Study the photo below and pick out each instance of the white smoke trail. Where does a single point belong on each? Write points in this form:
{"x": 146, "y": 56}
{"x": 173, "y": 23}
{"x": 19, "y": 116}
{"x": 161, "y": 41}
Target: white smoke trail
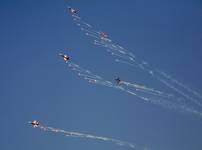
{"x": 78, "y": 19}
{"x": 125, "y": 62}
{"x": 87, "y": 136}
{"x": 126, "y": 57}
{"x": 95, "y": 79}
{"x": 180, "y": 92}
{"x": 178, "y": 106}
{"x": 161, "y": 99}
{"x": 146, "y": 89}
{"x": 181, "y": 85}
{"x": 90, "y": 31}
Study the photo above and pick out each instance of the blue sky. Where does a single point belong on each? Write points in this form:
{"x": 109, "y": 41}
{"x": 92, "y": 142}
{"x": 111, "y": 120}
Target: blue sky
{"x": 36, "y": 84}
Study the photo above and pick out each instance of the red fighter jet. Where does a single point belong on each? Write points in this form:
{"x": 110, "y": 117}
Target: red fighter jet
{"x": 34, "y": 123}
{"x": 103, "y": 35}
{"x": 64, "y": 56}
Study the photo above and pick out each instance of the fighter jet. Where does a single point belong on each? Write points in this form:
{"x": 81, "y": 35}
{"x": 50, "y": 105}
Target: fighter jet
{"x": 72, "y": 10}
{"x": 34, "y": 123}
{"x": 64, "y": 56}
{"x": 103, "y": 35}
{"x": 118, "y": 80}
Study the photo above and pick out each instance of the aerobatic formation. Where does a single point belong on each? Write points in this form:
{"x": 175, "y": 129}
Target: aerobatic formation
{"x": 36, "y": 124}
{"x": 185, "y": 97}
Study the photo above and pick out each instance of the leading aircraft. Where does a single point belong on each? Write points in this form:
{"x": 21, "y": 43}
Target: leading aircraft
{"x": 72, "y": 10}
{"x": 64, "y": 56}
{"x": 34, "y": 123}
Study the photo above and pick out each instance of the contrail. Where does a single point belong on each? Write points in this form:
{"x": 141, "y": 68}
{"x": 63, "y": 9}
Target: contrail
{"x": 87, "y": 136}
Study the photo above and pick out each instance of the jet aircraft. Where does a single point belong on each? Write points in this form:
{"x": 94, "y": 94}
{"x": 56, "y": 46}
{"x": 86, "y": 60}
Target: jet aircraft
{"x": 34, "y": 123}
{"x": 64, "y": 56}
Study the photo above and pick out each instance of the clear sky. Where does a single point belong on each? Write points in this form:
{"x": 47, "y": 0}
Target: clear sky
{"x": 36, "y": 84}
